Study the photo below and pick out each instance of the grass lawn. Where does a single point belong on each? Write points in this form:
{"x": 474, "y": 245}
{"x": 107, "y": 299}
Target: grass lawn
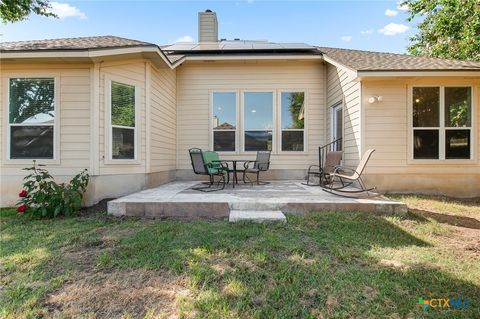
{"x": 324, "y": 265}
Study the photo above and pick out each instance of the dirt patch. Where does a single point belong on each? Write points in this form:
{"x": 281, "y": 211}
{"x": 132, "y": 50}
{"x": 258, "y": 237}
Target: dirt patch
{"x": 118, "y": 293}
{"x": 94, "y": 292}
{"x": 465, "y": 237}
{"x": 331, "y": 303}
{"x": 370, "y": 293}
{"x": 464, "y": 241}
{"x": 100, "y": 207}
{"x": 393, "y": 264}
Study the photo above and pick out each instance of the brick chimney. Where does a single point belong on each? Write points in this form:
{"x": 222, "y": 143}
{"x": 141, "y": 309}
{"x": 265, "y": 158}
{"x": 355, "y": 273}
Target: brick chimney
{"x": 207, "y": 26}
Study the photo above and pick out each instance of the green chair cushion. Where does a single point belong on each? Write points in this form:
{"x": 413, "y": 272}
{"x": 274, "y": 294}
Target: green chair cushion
{"x": 210, "y": 159}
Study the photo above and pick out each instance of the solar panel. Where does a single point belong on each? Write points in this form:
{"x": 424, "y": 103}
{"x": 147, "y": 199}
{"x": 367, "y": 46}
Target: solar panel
{"x": 208, "y": 47}
{"x": 181, "y": 47}
{"x": 296, "y": 46}
{"x": 239, "y": 45}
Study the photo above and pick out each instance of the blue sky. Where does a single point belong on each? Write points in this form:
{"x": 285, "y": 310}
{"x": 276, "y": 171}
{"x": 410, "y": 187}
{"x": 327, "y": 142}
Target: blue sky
{"x": 366, "y": 25}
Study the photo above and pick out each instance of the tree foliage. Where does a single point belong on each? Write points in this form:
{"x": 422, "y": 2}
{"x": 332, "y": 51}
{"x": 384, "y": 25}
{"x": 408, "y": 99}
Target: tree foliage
{"x": 18, "y": 10}
{"x": 295, "y": 108}
{"x": 31, "y": 97}
{"x": 123, "y": 104}
{"x": 449, "y": 28}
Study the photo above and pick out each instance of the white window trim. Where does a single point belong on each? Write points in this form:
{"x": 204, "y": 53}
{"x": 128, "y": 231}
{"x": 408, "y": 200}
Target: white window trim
{"x": 333, "y": 108}
{"x": 274, "y": 119}
{"x": 108, "y": 122}
{"x": 56, "y": 122}
{"x": 442, "y": 160}
{"x": 237, "y": 119}
{"x": 305, "y": 121}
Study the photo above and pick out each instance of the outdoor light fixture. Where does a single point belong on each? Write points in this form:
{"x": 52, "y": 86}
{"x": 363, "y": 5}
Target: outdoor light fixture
{"x": 375, "y": 98}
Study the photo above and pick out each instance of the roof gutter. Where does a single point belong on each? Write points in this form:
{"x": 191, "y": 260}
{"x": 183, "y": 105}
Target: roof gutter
{"x": 211, "y": 57}
{"x": 404, "y": 73}
{"x": 88, "y": 53}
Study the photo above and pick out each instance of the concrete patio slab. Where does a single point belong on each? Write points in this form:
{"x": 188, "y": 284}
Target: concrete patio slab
{"x": 257, "y": 216}
{"x": 178, "y": 199}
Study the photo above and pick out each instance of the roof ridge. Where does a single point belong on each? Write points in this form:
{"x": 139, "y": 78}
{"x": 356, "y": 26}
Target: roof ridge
{"x": 81, "y": 38}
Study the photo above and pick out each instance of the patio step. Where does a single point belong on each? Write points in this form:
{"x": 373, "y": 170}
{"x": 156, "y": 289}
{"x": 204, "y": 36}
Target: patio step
{"x": 257, "y": 216}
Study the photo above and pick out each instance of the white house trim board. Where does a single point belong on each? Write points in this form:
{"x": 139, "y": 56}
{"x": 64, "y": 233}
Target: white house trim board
{"x": 387, "y": 74}
{"x": 95, "y": 119}
{"x": 217, "y": 57}
{"x": 91, "y": 54}
{"x": 148, "y": 101}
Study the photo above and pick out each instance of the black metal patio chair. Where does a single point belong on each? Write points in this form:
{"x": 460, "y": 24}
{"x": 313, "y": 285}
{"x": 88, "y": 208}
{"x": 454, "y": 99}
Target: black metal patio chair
{"x": 260, "y": 164}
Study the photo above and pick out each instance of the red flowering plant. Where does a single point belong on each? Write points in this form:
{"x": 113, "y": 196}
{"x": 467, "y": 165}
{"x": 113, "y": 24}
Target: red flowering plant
{"x": 43, "y": 197}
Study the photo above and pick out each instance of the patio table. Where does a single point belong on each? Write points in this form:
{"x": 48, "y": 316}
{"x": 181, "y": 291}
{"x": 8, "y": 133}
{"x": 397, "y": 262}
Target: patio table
{"x": 234, "y": 170}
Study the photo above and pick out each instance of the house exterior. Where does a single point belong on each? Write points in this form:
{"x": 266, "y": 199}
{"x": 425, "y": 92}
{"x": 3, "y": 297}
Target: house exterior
{"x": 128, "y": 111}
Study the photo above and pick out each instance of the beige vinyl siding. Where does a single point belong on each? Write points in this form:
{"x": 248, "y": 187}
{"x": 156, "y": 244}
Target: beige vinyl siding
{"x": 387, "y": 128}
{"x": 196, "y": 81}
{"x": 73, "y": 108}
{"x": 163, "y": 120}
{"x": 342, "y": 87}
{"x": 128, "y": 72}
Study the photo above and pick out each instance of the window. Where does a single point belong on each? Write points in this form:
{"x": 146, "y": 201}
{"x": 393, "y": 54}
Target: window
{"x": 224, "y": 110}
{"x": 337, "y": 125}
{"x": 258, "y": 120}
{"x": 442, "y": 122}
{"x": 31, "y": 118}
{"x": 292, "y": 120}
{"x": 123, "y": 121}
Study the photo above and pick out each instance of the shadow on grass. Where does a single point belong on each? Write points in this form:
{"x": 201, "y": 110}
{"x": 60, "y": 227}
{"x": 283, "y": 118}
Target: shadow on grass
{"x": 469, "y": 202}
{"x": 314, "y": 266}
{"x": 454, "y": 220}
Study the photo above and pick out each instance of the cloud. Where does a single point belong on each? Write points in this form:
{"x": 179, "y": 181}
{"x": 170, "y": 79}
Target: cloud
{"x": 367, "y": 32}
{"x": 346, "y": 38}
{"x": 391, "y": 13}
{"x": 402, "y": 7}
{"x": 64, "y": 10}
{"x": 394, "y": 29}
{"x": 185, "y": 38}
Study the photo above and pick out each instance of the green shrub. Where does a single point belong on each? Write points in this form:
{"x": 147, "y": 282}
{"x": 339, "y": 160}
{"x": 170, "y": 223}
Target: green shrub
{"x": 43, "y": 197}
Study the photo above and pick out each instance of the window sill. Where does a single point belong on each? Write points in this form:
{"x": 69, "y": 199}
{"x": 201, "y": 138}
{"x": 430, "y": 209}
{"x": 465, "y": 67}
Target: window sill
{"x": 291, "y": 152}
{"x": 442, "y": 162}
{"x": 27, "y": 162}
{"x": 122, "y": 162}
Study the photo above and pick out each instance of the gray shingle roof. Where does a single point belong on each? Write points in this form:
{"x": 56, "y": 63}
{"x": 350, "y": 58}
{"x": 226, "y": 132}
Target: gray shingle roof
{"x": 83, "y": 43}
{"x": 379, "y": 61}
{"x": 354, "y": 59}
